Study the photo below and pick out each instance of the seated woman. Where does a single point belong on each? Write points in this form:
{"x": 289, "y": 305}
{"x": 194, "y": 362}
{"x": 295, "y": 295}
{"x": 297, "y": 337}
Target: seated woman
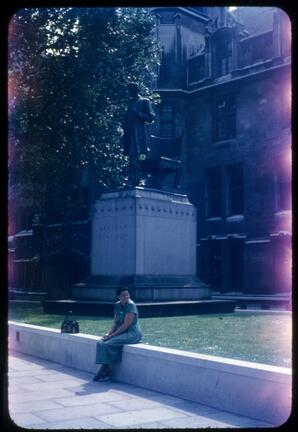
{"x": 125, "y": 330}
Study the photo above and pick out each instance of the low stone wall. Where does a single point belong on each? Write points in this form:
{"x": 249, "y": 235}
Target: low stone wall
{"x": 250, "y": 389}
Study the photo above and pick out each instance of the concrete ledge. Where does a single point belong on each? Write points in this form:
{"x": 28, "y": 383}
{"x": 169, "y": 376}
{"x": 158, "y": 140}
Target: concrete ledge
{"x": 146, "y": 310}
{"x": 250, "y": 389}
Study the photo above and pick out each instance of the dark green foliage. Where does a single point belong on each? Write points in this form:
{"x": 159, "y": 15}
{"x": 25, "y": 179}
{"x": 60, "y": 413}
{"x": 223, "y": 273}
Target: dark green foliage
{"x": 68, "y": 73}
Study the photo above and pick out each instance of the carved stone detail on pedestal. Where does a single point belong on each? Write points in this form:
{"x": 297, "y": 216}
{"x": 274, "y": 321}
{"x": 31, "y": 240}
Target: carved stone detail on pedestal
{"x": 148, "y": 244}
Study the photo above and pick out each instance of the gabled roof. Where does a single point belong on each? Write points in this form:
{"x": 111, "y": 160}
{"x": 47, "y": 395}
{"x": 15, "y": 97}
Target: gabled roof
{"x": 195, "y": 12}
{"x": 255, "y": 19}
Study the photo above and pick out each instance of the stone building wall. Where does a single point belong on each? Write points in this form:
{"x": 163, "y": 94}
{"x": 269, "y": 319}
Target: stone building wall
{"x": 250, "y": 251}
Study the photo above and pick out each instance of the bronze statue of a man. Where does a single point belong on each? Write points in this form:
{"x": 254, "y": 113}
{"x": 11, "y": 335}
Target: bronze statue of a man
{"x": 139, "y": 112}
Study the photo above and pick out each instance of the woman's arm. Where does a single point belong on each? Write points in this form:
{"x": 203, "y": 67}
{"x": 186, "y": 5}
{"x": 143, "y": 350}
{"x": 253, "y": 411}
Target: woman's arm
{"x": 127, "y": 322}
{"x": 112, "y": 329}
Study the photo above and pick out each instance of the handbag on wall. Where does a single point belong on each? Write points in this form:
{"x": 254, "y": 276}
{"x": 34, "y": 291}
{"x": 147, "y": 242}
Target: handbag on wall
{"x": 70, "y": 325}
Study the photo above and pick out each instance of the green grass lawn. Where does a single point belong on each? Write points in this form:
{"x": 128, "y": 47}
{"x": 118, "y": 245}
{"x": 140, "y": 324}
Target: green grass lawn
{"x": 252, "y": 336}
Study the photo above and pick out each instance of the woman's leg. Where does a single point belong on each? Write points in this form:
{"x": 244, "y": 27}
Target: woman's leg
{"x": 110, "y": 351}
{"x": 106, "y": 355}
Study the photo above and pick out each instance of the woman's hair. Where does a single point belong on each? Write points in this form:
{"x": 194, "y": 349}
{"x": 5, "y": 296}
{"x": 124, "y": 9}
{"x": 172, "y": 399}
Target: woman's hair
{"x": 119, "y": 290}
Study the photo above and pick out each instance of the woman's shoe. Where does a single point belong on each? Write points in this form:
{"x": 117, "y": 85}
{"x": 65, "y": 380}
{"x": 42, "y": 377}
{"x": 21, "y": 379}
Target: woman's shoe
{"x": 96, "y": 377}
{"x": 108, "y": 377}
{"x": 103, "y": 375}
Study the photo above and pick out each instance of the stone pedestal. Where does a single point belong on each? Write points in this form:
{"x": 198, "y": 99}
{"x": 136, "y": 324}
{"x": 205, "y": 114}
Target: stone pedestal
{"x": 144, "y": 239}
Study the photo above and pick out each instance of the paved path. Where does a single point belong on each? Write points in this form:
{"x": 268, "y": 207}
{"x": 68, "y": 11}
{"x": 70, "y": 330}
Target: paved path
{"x": 45, "y": 395}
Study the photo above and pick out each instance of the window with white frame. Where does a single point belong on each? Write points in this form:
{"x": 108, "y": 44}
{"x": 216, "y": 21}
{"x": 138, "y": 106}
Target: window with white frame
{"x": 214, "y": 192}
{"x": 225, "y": 118}
{"x": 235, "y": 190}
{"x": 167, "y": 124}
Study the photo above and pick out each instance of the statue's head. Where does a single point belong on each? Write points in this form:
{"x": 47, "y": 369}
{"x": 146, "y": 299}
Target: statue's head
{"x": 133, "y": 89}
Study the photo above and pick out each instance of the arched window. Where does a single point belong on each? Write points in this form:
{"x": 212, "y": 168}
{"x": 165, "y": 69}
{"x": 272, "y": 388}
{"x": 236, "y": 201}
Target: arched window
{"x": 224, "y": 57}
